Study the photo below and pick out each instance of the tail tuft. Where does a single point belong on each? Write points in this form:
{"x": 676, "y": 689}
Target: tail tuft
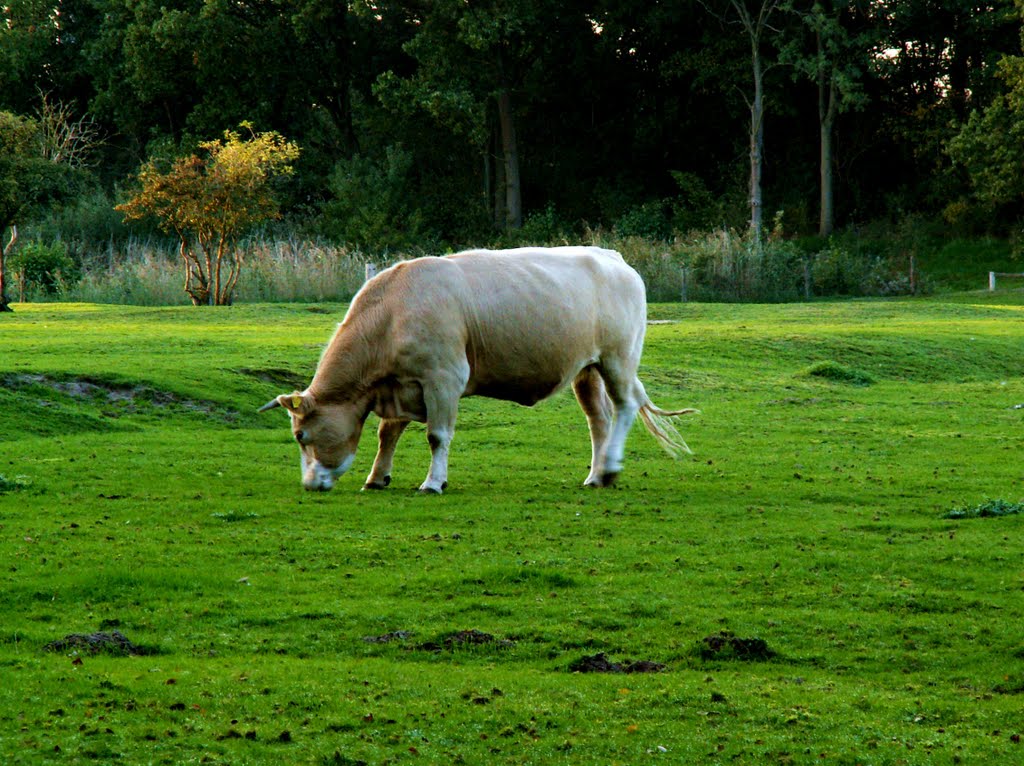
{"x": 663, "y": 429}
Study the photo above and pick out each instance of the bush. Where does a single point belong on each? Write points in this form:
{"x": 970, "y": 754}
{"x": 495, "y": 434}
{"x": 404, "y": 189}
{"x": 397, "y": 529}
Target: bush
{"x": 42, "y": 271}
{"x": 837, "y": 270}
{"x": 651, "y": 220}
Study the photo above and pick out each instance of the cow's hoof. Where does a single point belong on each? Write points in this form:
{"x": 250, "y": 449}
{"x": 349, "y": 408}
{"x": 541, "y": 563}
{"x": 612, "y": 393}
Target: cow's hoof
{"x": 382, "y": 484}
{"x": 604, "y": 480}
{"x": 426, "y": 489}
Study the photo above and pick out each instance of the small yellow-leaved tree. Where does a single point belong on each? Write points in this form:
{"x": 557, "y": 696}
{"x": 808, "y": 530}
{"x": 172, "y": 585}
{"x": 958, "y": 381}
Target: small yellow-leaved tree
{"x": 210, "y": 202}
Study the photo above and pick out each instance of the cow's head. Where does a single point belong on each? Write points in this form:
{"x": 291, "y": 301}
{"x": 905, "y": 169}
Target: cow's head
{"x": 328, "y": 435}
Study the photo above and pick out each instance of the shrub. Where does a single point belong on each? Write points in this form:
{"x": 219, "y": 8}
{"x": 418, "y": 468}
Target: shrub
{"x": 651, "y": 220}
{"x": 838, "y": 270}
{"x": 42, "y": 270}
{"x": 209, "y": 202}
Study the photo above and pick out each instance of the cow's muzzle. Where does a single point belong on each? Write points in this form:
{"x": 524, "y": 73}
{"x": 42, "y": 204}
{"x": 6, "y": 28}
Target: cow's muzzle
{"x": 318, "y": 478}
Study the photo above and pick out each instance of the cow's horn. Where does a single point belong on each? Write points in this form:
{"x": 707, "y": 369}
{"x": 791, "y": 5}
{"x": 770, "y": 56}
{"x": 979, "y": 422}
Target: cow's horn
{"x": 269, "y": 405}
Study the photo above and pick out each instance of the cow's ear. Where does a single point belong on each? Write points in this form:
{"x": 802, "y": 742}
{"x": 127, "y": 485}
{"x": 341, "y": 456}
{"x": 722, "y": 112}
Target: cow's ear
{"x": 297, "y": 403}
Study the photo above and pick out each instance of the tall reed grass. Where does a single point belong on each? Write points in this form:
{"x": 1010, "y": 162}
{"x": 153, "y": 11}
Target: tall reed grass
{"x": 150, "y": 273}
{"x": 719, "y": 265}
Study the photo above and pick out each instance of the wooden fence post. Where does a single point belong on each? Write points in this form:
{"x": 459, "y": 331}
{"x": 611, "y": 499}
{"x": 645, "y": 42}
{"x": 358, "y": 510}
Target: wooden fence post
{"x": 371, "y": 271}
{"x": 992, "y": 281}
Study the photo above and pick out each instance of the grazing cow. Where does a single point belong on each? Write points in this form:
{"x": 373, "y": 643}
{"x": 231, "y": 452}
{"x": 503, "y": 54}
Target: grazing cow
{"x": 508, "y": 324}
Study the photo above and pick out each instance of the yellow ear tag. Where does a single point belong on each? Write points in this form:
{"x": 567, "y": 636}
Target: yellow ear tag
{"x": 296, "y": 402}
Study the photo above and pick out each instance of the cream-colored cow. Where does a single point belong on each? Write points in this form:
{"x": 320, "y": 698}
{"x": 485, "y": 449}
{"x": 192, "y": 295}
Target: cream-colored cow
{"x": 508, "y": 324}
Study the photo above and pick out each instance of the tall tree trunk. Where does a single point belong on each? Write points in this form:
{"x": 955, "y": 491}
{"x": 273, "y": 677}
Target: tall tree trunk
{"x": 510, "y": 151}
{"x": 4, "y": 251}
{"x": 499, "y": 181}
{"x": 827, "y": 107}
{"x": 756, "y": 143}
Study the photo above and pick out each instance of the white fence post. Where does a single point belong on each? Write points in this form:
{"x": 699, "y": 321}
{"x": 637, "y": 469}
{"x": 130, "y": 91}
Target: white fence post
{"x": 991, "y": 281}
{"x": 371, "y": 271}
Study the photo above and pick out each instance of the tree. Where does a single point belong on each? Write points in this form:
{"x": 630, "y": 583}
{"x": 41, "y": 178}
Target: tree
{"x": 476, "y": 67}
{"x": 755, "y": 20}
{"x": 990, "y": 145}
{"x": 834, "y": 65}
{"x": 26, "y": 178}
{"x": 209, "y": 203}
{"x": 935, "y": 62}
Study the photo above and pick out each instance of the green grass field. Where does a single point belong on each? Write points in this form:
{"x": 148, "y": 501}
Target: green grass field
{"x": 140, "y": 492}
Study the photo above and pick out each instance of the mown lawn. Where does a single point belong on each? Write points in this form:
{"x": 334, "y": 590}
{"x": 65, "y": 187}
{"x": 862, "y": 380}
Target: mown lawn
{"x": 140, "y": 492}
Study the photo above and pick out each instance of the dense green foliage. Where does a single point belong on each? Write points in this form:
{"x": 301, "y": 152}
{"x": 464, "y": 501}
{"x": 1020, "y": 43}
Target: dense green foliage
{"x": 441, "y": 122}
{"x": 141, "y": 493}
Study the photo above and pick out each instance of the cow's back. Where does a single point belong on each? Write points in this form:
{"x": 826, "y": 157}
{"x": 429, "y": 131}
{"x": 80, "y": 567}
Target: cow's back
{"x": 535, "y": 317}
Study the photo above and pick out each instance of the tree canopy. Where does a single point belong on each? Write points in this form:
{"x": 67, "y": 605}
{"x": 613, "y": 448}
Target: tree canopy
{"x": 474, "y": 117}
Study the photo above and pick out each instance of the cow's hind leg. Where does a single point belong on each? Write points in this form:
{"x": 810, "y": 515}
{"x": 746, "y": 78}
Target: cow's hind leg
{"x": 627, "y": 396}
{"x": 590, "y": 393}
{"x": 388, "y": 433}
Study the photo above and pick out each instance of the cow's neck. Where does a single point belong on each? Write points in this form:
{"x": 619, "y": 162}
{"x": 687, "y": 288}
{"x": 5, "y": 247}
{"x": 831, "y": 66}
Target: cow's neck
{"x": 348, "y": 368}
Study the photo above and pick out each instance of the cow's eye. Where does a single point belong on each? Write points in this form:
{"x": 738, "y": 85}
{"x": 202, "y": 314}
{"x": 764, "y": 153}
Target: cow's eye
{"x": 300, "y": 437}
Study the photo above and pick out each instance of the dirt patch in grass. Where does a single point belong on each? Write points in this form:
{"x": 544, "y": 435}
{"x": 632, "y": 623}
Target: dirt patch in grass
{"x": 728, "y": 646}
{"x": 113, "y": 642}
{"x": 599, "y": 663}
{"x": 387, "y": 638}
{"x": 463, "y": 639}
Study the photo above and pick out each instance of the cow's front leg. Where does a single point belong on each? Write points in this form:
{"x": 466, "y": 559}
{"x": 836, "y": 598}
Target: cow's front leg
{"x": 441, "y": 397}
{"x": 437, "y": 478}
{"x": 388, "y": 433}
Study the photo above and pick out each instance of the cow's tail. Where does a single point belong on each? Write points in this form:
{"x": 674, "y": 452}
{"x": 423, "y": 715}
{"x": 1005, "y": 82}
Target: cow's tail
{"x": 659, "y": 423}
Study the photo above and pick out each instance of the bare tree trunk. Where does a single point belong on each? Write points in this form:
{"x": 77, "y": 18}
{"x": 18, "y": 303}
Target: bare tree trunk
{"x": 827, "y": 107}
{"x": 756, "y": 145}
{"x": 755, "y": 27}
{"x": 4, "y": 251}
{"x": 510, "y": 151}
{"x": 499, "y": 182}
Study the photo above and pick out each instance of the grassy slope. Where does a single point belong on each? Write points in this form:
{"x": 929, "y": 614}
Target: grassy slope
{"x": 809, "y": 516}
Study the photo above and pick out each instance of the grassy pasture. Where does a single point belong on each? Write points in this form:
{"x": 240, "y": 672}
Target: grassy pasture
{"x": 141, "y": 493}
